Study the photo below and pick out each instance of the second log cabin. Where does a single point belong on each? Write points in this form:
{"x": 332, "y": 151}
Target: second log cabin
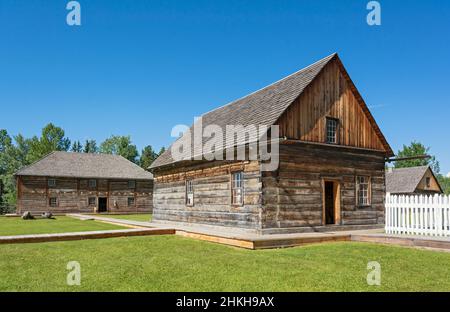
{"x": 331, "y": 161}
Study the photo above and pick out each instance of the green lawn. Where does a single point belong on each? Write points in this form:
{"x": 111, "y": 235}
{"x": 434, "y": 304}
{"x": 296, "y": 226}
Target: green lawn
{"x": 173, "y": 263}
{"x": 60, "y": 224}
{"x": 135, "y": 217}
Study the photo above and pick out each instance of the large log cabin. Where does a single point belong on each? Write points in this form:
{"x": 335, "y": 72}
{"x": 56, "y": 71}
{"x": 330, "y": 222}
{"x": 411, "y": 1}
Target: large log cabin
{"x": 65, "y": 182}
{"x": 331, "y": 171}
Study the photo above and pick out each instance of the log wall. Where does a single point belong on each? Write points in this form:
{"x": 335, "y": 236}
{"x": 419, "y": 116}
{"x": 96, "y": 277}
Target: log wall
{"x": 72, "y": 195}
{"x": 212, "y": 195}
{"x": 293, "y": 196}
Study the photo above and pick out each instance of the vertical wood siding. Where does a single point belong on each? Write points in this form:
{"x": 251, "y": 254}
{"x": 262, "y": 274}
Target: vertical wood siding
{"x": 330, "y": 95}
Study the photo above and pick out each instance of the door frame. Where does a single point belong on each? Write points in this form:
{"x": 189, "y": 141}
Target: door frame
{"x": 337, "y": 200}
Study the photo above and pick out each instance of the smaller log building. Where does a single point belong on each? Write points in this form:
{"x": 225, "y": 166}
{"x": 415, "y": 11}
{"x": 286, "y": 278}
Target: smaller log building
{"x": 63, "y": 182}
{"x": 412, "y": 181}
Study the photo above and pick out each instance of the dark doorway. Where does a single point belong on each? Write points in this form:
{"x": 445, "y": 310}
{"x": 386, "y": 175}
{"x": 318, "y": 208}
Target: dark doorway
{"x": 102, "y": 204}
{"x": 329, "y": 203}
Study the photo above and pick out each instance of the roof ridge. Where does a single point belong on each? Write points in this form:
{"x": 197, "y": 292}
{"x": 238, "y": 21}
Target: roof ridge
{"x": 331, "y": 56}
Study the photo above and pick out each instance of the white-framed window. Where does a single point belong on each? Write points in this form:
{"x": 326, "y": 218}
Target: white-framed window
{"x": 92, "y": 201}
{"x": 332, "y": 130}
{"x": 363, "y": 190}
{"x": 189, "y": 193}
{"x": 51, "y": 182}
{"x": 52, "y": 202}
{"x": 92, "y": 183}
{"x": 131, "y": 184}
{"x": 237, "y": 188}
{"x": 130, "y": 201}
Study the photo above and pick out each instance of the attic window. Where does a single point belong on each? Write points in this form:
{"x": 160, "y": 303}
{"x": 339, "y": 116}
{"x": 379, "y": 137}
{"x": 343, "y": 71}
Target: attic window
{"x": 131, "y": 184}
{"x": 428, "y": 181}
{"x": 51, "y": 182}
{"x": 92, "y": 183}
{"x": 332, "y": 130}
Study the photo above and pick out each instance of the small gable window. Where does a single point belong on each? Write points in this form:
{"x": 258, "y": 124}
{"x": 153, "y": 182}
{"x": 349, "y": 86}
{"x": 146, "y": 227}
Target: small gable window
{"x": 332, "y": 125}
{"x": 428, "y": 181}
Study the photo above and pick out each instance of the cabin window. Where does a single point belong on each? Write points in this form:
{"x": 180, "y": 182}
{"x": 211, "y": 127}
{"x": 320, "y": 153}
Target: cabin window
{"x": 130, "y": 201}
{"x": 189, "y": 193}
{"x": 92, "y": 201}
{"x": 332, "y": 130}
{"x": 363, "y": 190}
{"x": 131, "y": 184}
{"x": 52, "y": 202}
{"x": 51, "y": 182}
{"x": 237, "y": 188}
{"x": 92, "y": 183}
{"x": 428, "y": 181}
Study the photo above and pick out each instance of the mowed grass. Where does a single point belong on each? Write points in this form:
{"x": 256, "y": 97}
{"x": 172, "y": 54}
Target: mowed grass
{"x": 173, "y": 263}
{"x": 134, "y": 217}
{"x": 60, "y": 224}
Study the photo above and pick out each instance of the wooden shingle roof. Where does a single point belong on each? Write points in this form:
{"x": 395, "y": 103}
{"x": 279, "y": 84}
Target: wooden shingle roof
{"x": 264, "y": 107}
{"x": 85, "y": 165}
{"x": 405, "y": 180}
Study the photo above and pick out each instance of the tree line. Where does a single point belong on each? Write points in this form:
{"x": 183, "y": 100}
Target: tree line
{"x": 18, "y": 151}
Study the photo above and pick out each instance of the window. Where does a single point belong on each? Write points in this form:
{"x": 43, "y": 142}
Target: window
{"x": 189, "y": 193}
{"x": 92, "y": 183}
{"x": 363, "y": 190}
{"x": 52, "y": 202}
{"x": 332, "y": 130}
{"x": 92, "y": 201}
{"x": 131, "y": 184}
{"x": 51, "y": 182}
{"x": 237, "y": 188}
{"x": 130, "y": 201}
{"x": 428, "y": 181}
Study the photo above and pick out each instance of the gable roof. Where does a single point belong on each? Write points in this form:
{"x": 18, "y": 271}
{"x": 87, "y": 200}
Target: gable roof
{"x": 265, "y": 106}
{"x": 85, "y": 165}
{"x": 405, "y": 180}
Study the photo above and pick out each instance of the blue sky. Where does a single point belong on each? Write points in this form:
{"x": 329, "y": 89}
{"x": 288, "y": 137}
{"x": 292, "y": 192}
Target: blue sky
{"x": 140, "y": 67}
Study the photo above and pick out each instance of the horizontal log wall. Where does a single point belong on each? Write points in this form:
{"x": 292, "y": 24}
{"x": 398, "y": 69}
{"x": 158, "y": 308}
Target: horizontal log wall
{"x": 293, "y": 196}
{"x": 72, "y": 195}
{"x": 212, "y": 195}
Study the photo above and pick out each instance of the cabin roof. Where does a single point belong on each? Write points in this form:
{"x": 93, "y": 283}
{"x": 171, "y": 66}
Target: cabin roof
{"x": 405, "y": 180}
{"x": 265, "y": 106}
{"x": 85, "y": 165}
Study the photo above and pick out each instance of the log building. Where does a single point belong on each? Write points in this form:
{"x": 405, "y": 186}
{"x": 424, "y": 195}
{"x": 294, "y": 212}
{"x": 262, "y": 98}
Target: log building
{"x": 65, "y": 182}
{"x": 412, "y": 181}
{"x": 331, "y": 161}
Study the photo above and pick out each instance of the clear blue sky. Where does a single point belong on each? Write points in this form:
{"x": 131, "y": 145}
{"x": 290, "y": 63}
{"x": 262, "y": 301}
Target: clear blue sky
{"x": 139, "y": 67}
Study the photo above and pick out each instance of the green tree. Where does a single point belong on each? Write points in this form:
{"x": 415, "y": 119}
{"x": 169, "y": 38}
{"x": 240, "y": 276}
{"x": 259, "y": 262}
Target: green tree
{"x": 52, "y": 139}
{"x": 416, "y": 149}
{"x": 90, "y": 146}
{"x": 120, "y": 145}
{"x": 77, "y": 147}
{"x": 445, "y": 183}
{"x": 162, "y": 150}
{"x": 148, "y": 156}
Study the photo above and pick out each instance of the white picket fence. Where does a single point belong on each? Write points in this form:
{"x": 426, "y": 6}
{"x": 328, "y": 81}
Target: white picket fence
{"x": 418, "y": 215}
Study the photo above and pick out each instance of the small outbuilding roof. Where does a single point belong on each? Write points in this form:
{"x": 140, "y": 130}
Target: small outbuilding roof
{"x": 85, "y": 165}
{"x": 405, "y": 180}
